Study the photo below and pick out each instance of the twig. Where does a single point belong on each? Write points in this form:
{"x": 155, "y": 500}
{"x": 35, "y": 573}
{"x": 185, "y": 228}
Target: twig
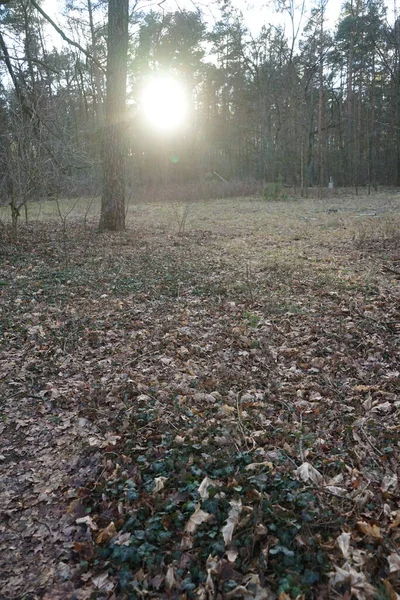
{"x": 370, "y": 443}
{"x": 46, "y": 525}
{"x": 64, "y": 36}
{"x": 220, "y": 176}
{"x": 301, "y": 449}
{"x": 385, "y": 268}
{"x": 249, "y": 282}
{"x": 239, "y": 416}
{"x": 136, "y": 359}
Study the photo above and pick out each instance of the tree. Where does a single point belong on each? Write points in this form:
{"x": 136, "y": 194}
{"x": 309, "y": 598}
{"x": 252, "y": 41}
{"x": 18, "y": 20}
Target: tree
{"x": 113, "y": 199}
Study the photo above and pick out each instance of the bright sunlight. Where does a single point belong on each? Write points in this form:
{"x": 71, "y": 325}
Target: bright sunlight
{"x": 165, "y": 103}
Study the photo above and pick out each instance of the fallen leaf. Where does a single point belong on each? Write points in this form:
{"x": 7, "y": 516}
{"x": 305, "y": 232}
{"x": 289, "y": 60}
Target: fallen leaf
{"x": 259, "y": 465}
{"x": 261, "y": 529}
{"x": 211, "y": 566}
{"x": 122, "y": 539}
{"x": 239, "y": 592}
{"x": 396, "y": 521}
{"x": 373, "y": 531}
{"x": 159, "y": 484}
{"x": 197, "y": 518}
{"x": 337, "y": 479}
{"x": 390, "y": 590}
{"x": 343, "y": 541}
{"x": 363, "y": 388}
{"x": 94, "y": 442}
{"x": 359, "y": 585}
{"x": 205, "y": 485}
{"x": 232, "y": 555}
{"x": 87, "y": 521}
{"x": 232, "y": 520}
{"x": 101, "y": 582}
{"x": 390, "y": 483}
{"x": 394, "y": 562}
{"x": 385, "y": 407}
{"x": 170, "y": 581}
{"x": 110, "y": 440}
{"x": 307, "y": 473}
{"x": 227, "y": 410}
{"x": 106, "y": 534}
{"x": 336, "y": 491}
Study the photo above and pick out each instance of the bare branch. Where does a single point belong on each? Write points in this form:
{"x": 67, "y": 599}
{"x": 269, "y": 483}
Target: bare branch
{"x": 36, "y": 61}
{"x": 64, "y": 36}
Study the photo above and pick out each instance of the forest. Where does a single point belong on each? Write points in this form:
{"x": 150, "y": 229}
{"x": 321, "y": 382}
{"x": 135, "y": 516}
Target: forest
{"x": 199, "y": 300}
{"x": 299, "y": 103}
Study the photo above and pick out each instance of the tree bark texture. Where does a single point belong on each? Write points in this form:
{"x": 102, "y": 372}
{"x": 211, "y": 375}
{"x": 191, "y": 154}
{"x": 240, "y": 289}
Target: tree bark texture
{"x": 113, "y": 199}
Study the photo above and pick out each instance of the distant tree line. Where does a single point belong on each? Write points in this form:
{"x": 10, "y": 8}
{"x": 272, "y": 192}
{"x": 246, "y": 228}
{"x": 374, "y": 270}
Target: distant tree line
{"x": 300, "y": 105}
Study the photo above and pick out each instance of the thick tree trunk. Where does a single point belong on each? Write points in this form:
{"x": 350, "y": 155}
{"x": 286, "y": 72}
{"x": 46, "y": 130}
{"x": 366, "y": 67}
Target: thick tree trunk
{"x": 113, "y": 199}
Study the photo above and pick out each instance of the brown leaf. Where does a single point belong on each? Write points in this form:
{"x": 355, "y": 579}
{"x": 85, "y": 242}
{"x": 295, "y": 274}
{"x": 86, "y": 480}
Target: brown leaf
{"x": 363, "y": 388}
{"x": 373, "y": 531}
{"x": 85, "y": 550}
{"x": 390, "y": 590}
{"x": 106, "y": 534}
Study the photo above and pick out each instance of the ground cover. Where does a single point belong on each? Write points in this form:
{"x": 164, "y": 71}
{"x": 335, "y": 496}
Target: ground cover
{"x": 209, "y": 414}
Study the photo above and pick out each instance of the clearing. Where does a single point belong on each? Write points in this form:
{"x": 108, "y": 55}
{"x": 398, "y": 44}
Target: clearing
{"x": 205, "y": 406}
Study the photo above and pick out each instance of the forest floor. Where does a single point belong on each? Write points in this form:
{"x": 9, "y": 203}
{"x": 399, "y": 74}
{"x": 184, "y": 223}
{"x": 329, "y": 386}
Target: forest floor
{"x": 205, "y": 406}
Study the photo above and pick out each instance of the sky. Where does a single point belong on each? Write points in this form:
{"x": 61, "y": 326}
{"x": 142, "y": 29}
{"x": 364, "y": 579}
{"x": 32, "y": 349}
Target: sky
{"x": 256, "y": 12}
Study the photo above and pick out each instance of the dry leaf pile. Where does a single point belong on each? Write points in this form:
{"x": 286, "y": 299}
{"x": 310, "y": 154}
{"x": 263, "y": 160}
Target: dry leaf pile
{"x": 180, "y": 423}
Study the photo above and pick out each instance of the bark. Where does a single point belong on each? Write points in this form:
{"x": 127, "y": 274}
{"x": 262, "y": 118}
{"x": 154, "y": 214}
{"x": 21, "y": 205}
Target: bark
{"x": 113, "y": 199}
{"x": 97, "y": 72}
{"x": 321, "y": 106}
{"x": 350, "y": 109}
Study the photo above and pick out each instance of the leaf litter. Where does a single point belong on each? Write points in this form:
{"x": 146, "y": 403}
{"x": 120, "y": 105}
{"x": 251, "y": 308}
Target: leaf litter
{"x": 174, "y": 426}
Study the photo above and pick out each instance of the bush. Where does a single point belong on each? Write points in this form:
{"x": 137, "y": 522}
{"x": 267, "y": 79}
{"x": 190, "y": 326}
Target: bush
{"x": 274, "y": 190}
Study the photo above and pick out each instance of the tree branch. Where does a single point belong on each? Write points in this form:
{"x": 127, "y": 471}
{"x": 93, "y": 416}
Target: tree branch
{"x": 36, "y": 61}
{"x": 64, "y": 36}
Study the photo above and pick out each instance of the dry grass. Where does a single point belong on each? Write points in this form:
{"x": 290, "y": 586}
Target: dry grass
{"x": 250, "y": 228}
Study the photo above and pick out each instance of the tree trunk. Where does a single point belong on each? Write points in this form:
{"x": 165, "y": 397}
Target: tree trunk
{"x": 113, "y": 200}
{"x": 321, "y": 104}
{"x": 350, "y": 109}
{"x": 98, "y": 100}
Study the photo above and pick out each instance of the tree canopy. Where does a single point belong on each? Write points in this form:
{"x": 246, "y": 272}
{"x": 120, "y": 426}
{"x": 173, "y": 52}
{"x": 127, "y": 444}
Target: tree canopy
{"x": 302, "y": 103}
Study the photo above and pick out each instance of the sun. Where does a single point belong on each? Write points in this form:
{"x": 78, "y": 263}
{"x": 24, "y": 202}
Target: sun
{"x": 164, "y": 103}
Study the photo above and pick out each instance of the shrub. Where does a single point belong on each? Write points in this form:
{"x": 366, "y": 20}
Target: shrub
{"x": 274, "y": 190}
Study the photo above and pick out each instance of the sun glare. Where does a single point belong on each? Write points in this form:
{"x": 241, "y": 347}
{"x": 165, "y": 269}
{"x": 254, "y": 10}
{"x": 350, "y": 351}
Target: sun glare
{"x": 164, "y": 103}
